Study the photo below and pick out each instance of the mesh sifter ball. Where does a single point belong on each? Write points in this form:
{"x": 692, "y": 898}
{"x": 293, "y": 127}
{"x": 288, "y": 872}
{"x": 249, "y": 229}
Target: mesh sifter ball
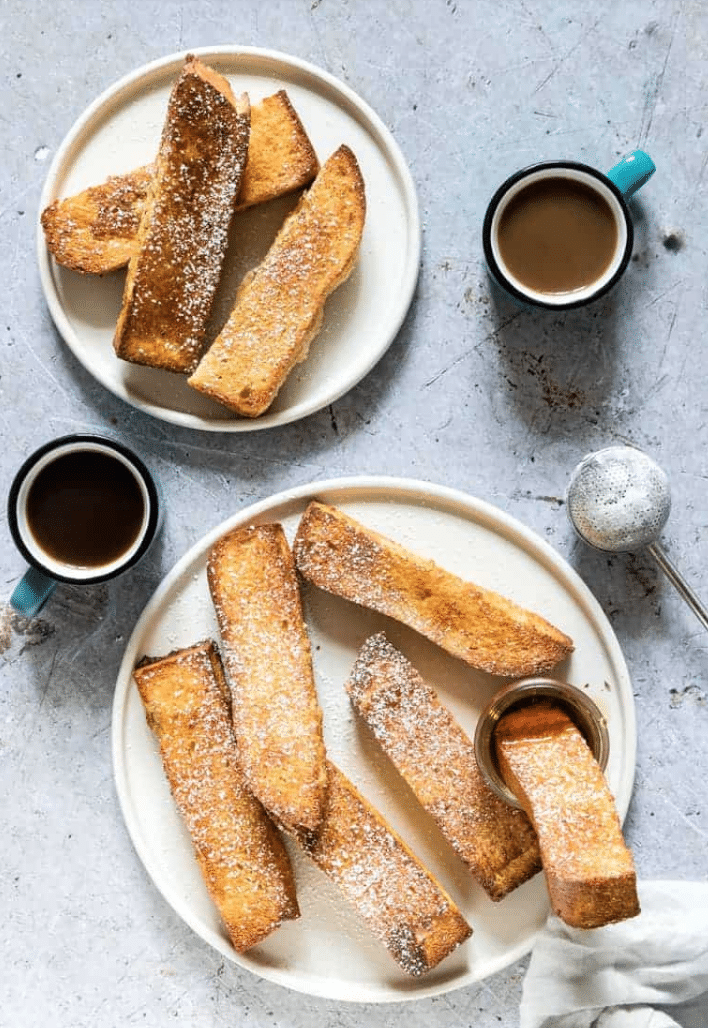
{"x": 618, "y": 499}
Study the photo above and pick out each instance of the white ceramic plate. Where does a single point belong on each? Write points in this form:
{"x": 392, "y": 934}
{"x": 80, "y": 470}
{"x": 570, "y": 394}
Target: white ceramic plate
{"x": 121, "y": 130}
{"x": 328, "y": 952}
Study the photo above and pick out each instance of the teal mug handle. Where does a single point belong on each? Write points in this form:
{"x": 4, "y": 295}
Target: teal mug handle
{"x": 32, "y": 592}
{"x": 632, "y": 172}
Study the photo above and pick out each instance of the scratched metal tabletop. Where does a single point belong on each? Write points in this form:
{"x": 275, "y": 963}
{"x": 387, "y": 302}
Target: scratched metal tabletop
{"x": 474, "y": 392}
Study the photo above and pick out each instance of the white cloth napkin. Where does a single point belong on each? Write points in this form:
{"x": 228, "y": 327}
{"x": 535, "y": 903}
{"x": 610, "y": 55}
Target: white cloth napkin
{"x": 625, "y": 975}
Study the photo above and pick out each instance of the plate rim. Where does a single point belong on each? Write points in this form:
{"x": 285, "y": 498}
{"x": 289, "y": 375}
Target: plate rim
{"x": 387, "y": 145}
{"x": 415, "y": 489}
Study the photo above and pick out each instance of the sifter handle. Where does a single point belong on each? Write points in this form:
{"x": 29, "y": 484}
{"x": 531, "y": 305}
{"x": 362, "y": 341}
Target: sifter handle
{"x": 677, "y": 580}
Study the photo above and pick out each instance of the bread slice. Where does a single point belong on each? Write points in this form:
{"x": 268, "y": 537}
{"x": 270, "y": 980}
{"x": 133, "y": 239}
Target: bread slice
{"x": 479, "y": 626}
{"x": 96, "y": 231}
{"x": 266, "y": 653}
{"x": 281, "y": 157}
{"x": 241, "y": 856}
{"x": 279, "y": 306}
{"x": 435, "y": 757}
{"x": 549, "y": 767}
{"x": 183, "y": 234}
{"x": 402, "y": 903}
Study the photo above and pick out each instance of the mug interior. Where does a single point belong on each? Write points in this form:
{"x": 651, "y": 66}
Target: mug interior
{"x": 62, "y": 570}
{"x": 590, "y": 179}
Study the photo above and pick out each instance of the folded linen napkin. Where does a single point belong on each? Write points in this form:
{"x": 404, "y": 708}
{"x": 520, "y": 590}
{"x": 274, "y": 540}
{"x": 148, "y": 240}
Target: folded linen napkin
{"x": 625, "y": 975}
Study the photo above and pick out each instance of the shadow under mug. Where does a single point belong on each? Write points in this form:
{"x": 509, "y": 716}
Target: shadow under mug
{"x": 108, "y": 494}
{"x": 610, "y": 192}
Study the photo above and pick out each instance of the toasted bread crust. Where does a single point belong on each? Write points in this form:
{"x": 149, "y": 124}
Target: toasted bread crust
{"x": 402, "y": 903}
{"x": 547, "y": 764}
{"x": 477, "y": 625}
{"x": 435, "y": 757}
{"x": 279, "y": 306}
{"x": 241, "y": 856}
{"x": 95, "y": 231}
{"x": 281, "y": 157}
{"x": 183, "y": 234}
{"x": 267, "y": 657}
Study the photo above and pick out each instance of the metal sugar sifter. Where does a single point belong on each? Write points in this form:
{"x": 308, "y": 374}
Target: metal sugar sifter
{"x": 618, "y": 500}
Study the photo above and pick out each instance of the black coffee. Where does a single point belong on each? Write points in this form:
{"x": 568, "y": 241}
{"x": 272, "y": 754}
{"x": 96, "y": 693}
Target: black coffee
{"x": 85, "y": 509}
{"x": 557, "y": 235}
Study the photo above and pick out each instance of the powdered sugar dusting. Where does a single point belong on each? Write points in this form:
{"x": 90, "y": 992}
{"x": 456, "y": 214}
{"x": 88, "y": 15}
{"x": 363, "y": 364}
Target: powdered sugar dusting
{"x": 436, "y": 758}
{"x": 278, "y": 308}
{"x": 481, "y": 627}
{"x": 267, "y": 657}
{"x": 119, "y": 205}
{"x": 183, "y": 236}
{"x": 96, "y": 230}
{"x": 400, "y": 901}
{"x": 572, "y": 808}
{"x": 241, "y": 858}
{"x": 331, "y": 552}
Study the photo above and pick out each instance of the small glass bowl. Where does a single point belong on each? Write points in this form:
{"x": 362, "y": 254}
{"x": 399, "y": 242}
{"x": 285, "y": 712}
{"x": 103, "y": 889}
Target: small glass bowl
{"x": 580, "y": 708}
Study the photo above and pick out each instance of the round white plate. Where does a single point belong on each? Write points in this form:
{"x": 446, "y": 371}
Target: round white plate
{"x": 328, "y": 951}
{"x": 121, "y": 130}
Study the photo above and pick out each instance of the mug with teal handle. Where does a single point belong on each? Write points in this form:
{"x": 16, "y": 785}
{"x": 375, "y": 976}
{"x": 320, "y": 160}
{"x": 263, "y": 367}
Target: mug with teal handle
{"x": 82, "y": 509}
{"x": 613, "y": 189}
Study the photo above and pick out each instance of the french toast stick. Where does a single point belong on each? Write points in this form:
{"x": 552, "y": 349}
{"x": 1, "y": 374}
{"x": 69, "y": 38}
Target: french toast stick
{"x": 183, "y": 234}
{"x": 240, "y": 854}
{"x": 547, "y": 764}
{"x": 281, "y": 158}
{"x": 403, "y": 905}
{"x": 279, "y": 305}
{"x": 479, "y": 626}
{"x": 266, "y": 654}
{"x": 437, "y": 760}
{"x": 95, "y": 231}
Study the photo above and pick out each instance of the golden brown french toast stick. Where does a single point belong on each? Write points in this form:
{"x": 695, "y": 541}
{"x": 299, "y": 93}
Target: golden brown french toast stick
{"x": 281, "y": 157}
{"x": 240, "y": 854}
{"x": 95, "y": 231}
{"x": 279, "y": 306}
{"x": 549, "y": 767}
{"x": 433, "y": 754}
{"x": 173, "y": 276}
{"x": 266, "y": 653}
{"x": 402, "y": 903}
{"x": 475, "y": 624}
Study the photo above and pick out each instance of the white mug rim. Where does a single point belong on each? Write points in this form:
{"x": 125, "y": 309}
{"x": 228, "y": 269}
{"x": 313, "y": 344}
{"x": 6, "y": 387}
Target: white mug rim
{"x": 34, "y": 552}
{"x": 594, "y": 180}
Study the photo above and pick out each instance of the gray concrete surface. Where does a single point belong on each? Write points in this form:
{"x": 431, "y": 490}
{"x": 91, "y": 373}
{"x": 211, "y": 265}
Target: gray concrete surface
{"x": 473, "y": 392}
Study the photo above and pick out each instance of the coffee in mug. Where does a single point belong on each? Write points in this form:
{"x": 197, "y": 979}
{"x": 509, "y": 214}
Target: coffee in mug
{"x": 81, "y": 509}
{"x": 559, "y": 234}
{"x": 85, "y": 509}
